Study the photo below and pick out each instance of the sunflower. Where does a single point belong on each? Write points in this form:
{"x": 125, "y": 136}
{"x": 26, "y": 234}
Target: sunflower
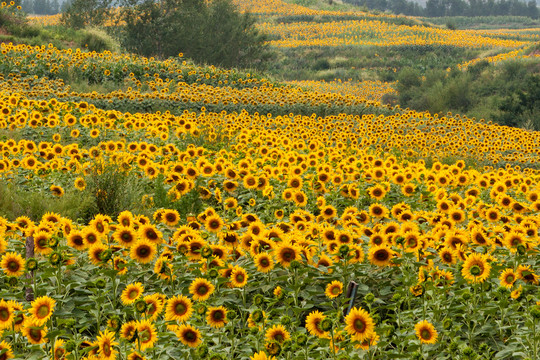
{"x": 299, "y": 198}
{"x": 13, "y": 264}
{"x": 178, "y": 308}
{"x": 95, "y": 252}
{"x": 378, "y": 211}
{"x": 147, "y": 334}
{"x": 5, "y": 351}
{"x": 125, "y": 235}
{"x": 143, "y": 251}
{"x": 313, "y": 322}
{"x": 448, "y": 255}
{"x": 154, "y": 306}
{"x": 129, "y": 331}
{"x": 286, "y": 253}
{"x": 201, "y": 289}
{"x": 131, "y": 293}
{"x": 264, "y": 262}
{"x": 42, "y": 309}
{"x": 135, "y": 356}
{"x": 189, "y": 335}
{"x": 377, "y": 192}
{"x": 106, "y": 344}
{"x": 476, "y": 268}
{"x": 328, "y": 212}
{"x": 359, "y": 324}
{"x": 277, "y": 333}
{"x": 80, "y": 183}
{"x": 380, "y": 255}
{"x": 261, "y": 356}
{"x": 216, "y": 316}
{"x": 149, "y": 233}
{"x": 426, "y": 333}
{"x": 35, "y": 333}
{"x": 526, "y": 273}
{"x": 41, "y": 242}
{"x": 57, "y": 190}
{"x": 76, "y": 240}
{"x": 171, "y": 217}
{"x": 19, "y": 316}
{"x": 58, "y": 351}
{"x": 214, "y": 223}
{"x": 334, "y": 289}
{"x": 508, "y": 278}
{"x": 7, "y": 314}
{"x": 238, "y": 277}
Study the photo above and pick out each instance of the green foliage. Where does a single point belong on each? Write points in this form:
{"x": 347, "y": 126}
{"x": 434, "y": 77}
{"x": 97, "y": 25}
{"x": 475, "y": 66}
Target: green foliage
{"x": 112, "y": 189}
{"x": 95, "y": 39}
{"x": 214, "y": 32}
{"x": 507, "y": 94}
{"x": 82, "y": 13}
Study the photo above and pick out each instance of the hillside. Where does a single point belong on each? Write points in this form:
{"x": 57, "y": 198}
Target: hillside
{"x": 162, "y": 209}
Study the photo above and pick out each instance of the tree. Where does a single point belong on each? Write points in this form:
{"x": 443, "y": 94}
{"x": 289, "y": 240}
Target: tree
{"x": 81, "y": 13}
{"x": 208, "y": 32}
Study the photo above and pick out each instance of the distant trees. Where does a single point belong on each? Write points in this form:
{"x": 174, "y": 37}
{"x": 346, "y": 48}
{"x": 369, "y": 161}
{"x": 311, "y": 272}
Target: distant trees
{"x": 80, "y": 13}
{"x": 439, "y": 8}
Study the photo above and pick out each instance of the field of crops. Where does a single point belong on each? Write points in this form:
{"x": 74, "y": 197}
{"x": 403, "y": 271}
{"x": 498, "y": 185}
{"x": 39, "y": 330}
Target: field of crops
{"x": 201, "y": 213}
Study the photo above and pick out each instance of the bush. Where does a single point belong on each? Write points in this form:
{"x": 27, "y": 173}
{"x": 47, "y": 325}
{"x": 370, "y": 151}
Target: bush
{"x": 95, "y": 39}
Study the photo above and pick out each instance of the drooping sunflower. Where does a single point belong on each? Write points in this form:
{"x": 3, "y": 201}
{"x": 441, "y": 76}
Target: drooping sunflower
{"x": 359, "y": 324}
{"x": 131, "y": 293}
{"x": 106, "y": 344}
{"x": 334, "y": 289}
{"x": 13, "y": 264}
{"x": 216, "y": 316}
{"x": 426, "y": 332}
{"x": 143, "y": 251}
{"x": 476, "y": 268}
{"x": 135, "y": 356}
{"x": 178, "y": 308}
{"x": 526, "y": 273}
{"x": 201, "y": 289}
{"x": 42, "y": 309}
{"x": 189, "y": 335}
{"x": 277, "y": 333}
{"x": 313, "y": 324}
{"x": 147, "y": 334}
{"x": 239, "y": 277}
{"x": 264, "y": 262}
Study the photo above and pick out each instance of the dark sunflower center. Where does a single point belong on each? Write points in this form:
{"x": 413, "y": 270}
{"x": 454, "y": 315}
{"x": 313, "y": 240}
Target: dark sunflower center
{"x": 13, "y": 266}
{"x": 202, "y": 289}
{"x": 4, "y": 314}
{"x": 476, "y": 270}
{"x": 381, "y": 255}
{"x": 43, "y": 311}
{"x": 425, "y": 334}
{"x": 359, "y": 325}
{"x": 190, "y": 336}
{"x": 133, "y": 294}
{"x": 180, "y": 309}
{"x": 218, "y": 315}
{"x": 288, "y": 255}
{"x": 143, "y": 251}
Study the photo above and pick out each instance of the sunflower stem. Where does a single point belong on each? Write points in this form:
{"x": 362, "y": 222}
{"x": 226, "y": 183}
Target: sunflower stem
{"x": 333, "y": 344}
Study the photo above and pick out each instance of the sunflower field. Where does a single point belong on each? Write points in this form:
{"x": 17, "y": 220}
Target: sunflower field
{"x": 194, "y": 212}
